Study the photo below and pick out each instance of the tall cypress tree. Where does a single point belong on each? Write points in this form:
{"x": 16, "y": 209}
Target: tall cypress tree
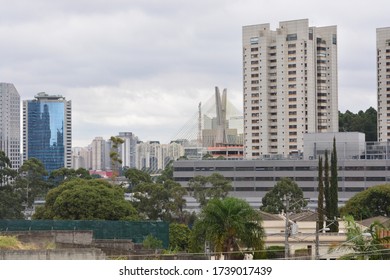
{"x": 320, "y": 207}
{"x": 326, "y": 185}
{"x": 333, "y": 190}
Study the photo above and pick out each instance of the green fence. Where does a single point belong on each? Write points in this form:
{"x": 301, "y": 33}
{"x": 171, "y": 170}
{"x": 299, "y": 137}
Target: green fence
{"x": 136, "y": 231}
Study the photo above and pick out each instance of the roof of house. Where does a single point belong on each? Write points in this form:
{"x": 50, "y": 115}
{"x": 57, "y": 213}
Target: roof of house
{"x": 385, "y": 221}
{"x": 270, "y": 217}
{"x": 305, "y": 216}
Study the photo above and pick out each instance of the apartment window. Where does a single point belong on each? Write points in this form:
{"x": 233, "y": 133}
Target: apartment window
{"x": 292, "y": 92}
{"x": 292, "y": 65}
{"x": 254, "y": 49}
{"x": 292, "y": 133}
{"x": 292, "y": 147}
{"x": 292, "y": 79}
{"x": 292, "y": 126}
{"x": 292, "y": 52}
{"x": 291, "y": 37}
{"x": 254, "y": 40}
{"x": 254, "y": 68}
{"x": 292, "y": 72}
{"x": 292, "y": 45}
{"x": 292, "y": 106}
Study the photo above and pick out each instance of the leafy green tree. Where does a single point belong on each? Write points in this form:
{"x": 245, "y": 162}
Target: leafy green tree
{"x": 333, "y": 191}
{"x": 10, "y": 203}
{"x": 116, "y": 160}
{"x": 151, "y": 242}
{"x": 160, "y": 201}
{"x": 59, "y": 175}
{"x": 372, "y": 202}
{"x": 179, "y": 237}
{"x": 136, "y": 177}
{"x": 205, "y": 188}
{"x": 272, "y": 202}
{"x": 31, "y": 181}
{"x": 166, "y": 174}
{"x": 326, "y": 184}
{"x": 6, "y": 171}
{"x": 229, "y": 224}
{"x": 81, "y": 199}
{"x": 320, "y": 205}
{"x": 365, "y": 247}
{"x": 365, "y": 122}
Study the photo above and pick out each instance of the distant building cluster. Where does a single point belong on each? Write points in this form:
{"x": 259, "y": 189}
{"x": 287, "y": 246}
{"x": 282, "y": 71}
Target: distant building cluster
{"x": 290, "y": 95}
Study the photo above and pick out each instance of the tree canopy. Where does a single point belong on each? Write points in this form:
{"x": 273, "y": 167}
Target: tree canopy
{"x": 228, "y": 224}
{"x": 81, "y": 199}
{"x": 272, "y": 202}
{"x": 159, "y": 201}
{"x": 365, "y": 122}
{"x": 374, "y": 201}
{"x": 205, "y": 188}
{"x": 136, "y": 177}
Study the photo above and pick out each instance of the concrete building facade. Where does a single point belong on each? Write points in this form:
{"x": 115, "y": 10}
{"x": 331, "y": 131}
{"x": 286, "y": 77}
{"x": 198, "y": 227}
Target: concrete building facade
{"x": 289, "y": 86}
{"x": 47, "y": 130}
{"x": 383, "y": 82}
{"x": 10, "y": 123}
{"x": 127, "y": 149}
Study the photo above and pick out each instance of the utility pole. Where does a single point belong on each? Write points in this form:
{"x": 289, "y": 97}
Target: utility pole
{"x": 286, "y": 231}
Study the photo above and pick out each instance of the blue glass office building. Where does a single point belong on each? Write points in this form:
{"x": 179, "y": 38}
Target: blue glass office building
{"x": 47, "y": 130}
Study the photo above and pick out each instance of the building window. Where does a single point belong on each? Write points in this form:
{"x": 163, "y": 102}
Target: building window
{"x": 291, "y": 37}
{"x": 254, "y": 40}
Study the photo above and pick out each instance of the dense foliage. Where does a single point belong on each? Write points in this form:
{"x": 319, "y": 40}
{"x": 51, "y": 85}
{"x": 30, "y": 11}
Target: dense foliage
{"x": 81, "y": 199}
{"x": 375, "y": 201}
{"x": 365, "y": 122}
{"x": 273, "y": 200}
{"x": 204, "y": 188}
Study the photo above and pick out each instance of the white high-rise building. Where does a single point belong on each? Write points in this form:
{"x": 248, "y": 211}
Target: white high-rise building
{"x": 10, "y": 123}
{"x": 155, "y": 156}
{"x": 98, "y": 149}
{"x": 383, "y": 77}
{"x": 127, "y": 149}
{"x": 290, "y": 86}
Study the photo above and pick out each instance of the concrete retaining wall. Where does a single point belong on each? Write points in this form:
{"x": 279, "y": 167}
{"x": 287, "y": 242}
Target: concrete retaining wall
{"x": 61, "y": 254}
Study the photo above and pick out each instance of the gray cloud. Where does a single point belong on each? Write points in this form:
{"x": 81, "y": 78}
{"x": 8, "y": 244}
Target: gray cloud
{"x": 143, "y": 66}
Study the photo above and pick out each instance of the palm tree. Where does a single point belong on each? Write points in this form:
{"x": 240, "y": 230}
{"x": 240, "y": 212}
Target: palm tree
{"x": 365, "y": 244}
{"x": 229, "y": 224}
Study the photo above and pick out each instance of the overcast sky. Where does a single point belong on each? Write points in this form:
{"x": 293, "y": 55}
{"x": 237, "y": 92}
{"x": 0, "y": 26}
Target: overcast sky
{"x": 144, "y": 65}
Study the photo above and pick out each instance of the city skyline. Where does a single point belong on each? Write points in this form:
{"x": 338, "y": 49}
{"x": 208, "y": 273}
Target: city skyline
{"x": 144, "y": 67}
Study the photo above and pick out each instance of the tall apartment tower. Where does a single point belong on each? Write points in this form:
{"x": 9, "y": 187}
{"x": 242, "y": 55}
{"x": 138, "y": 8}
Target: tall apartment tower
{"x": 100, "y": 154}
{"x": 128, "y": 148}
{"x": 10, "y": 123}
{"x": 383, "y": 77}
{"x": 290, "y": 86}
{"x": 47, "y": 130}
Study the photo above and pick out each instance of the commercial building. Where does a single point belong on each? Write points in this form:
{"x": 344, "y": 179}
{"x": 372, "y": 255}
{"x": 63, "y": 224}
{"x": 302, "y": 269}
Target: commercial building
{"x": 10, "y": 123}
{"x": 47, "y": 130}
{"x": 358, "y": 169}
{"x": 290, "y": 86}
{"x": 383, "y": 77}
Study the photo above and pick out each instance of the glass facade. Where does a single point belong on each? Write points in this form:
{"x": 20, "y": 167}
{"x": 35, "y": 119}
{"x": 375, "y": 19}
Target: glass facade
{"x": 45, "y": 135}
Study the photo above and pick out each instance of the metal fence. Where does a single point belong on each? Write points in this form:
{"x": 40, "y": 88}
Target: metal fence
{"x": 136, "y": 231}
